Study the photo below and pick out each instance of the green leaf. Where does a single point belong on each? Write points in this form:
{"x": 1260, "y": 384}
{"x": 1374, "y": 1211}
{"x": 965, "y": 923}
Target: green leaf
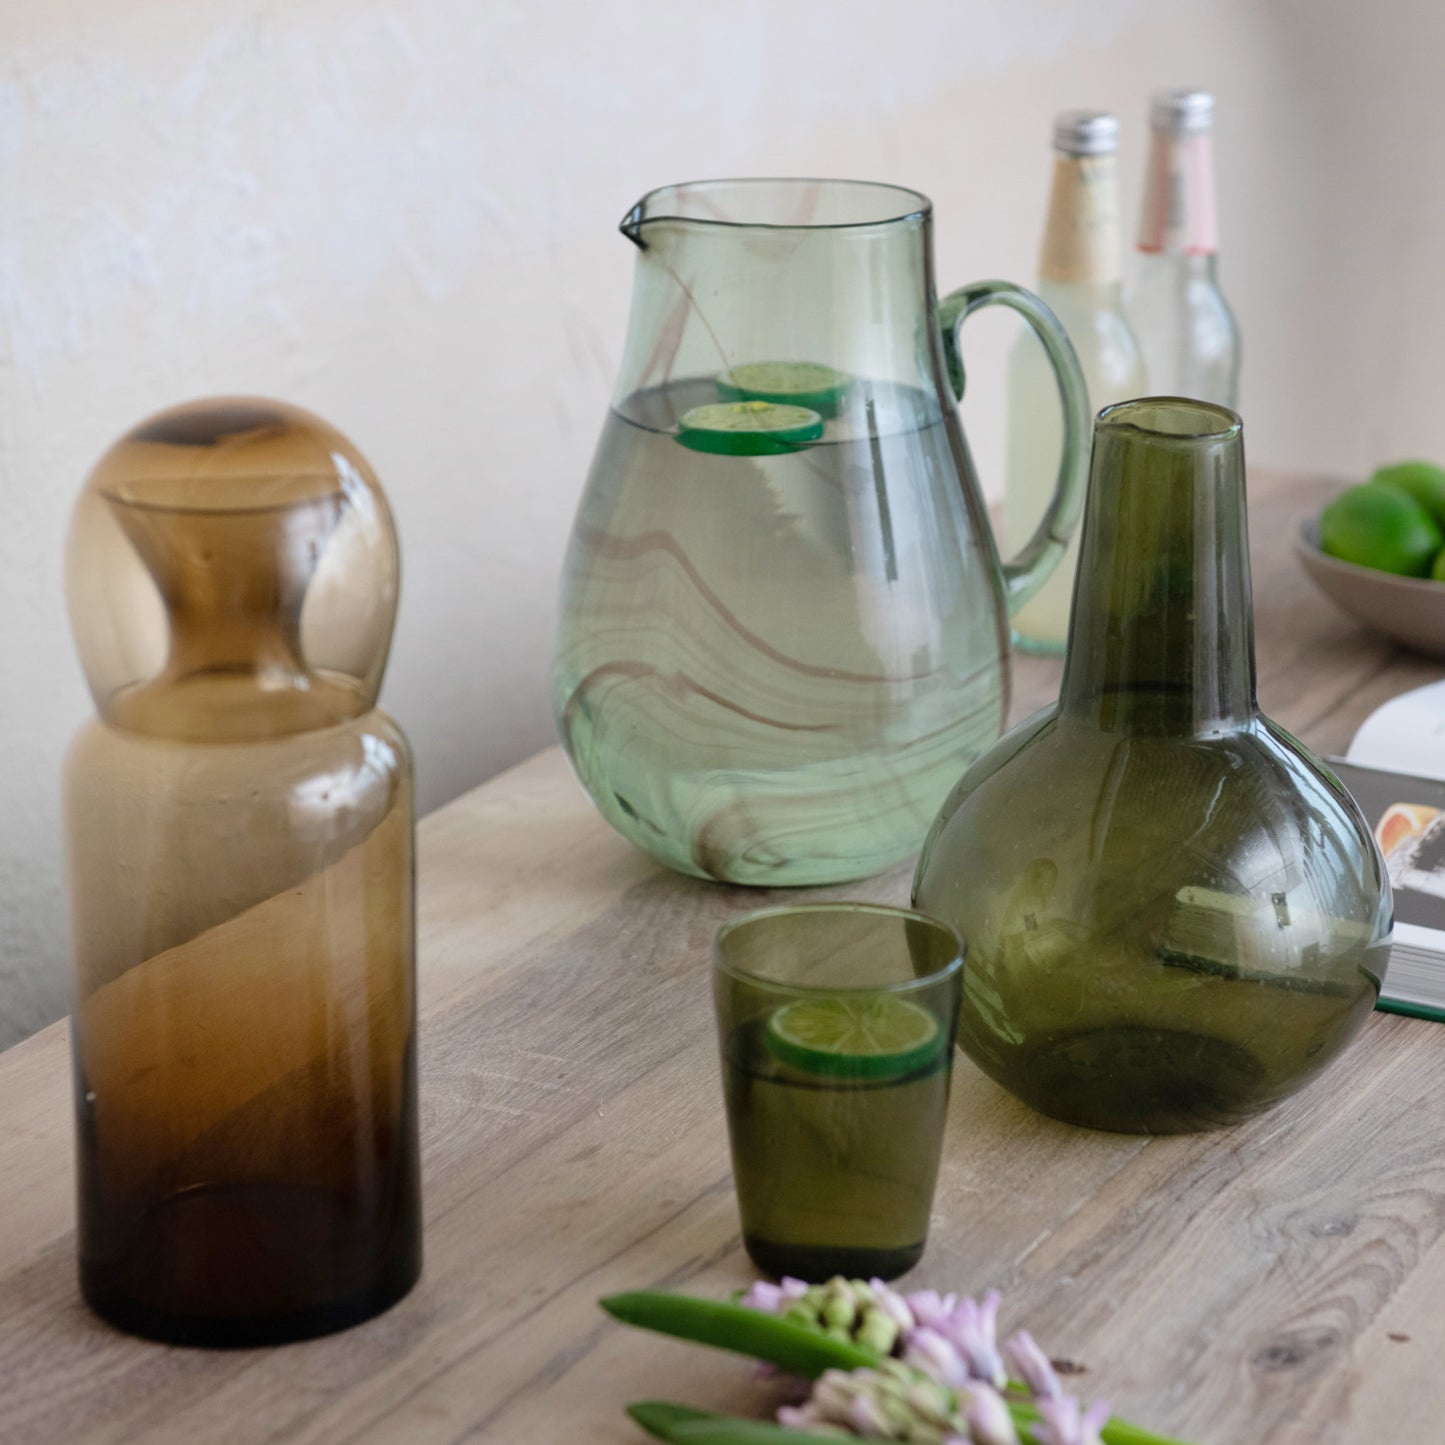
{"x": 682, "y": 1425}
{"x": 789, "y": 1346}
{"x": 724, "y": 1431}
{"x": 661, "y": 1417}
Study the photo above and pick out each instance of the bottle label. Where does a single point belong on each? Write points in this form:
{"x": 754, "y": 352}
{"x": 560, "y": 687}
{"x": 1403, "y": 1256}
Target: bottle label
{"x": 1179, "y": 213}
{"x": 1081, "y": 238}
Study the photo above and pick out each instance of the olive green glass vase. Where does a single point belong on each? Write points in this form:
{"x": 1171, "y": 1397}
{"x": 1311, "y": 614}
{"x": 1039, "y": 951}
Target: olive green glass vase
{"x": 1175, "y": 914}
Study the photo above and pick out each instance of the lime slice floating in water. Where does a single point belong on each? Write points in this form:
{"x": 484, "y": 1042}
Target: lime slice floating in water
{"x": 860, "y": 1036}
{"x": 748, "y": 428}
{"x": 787, "y": 383}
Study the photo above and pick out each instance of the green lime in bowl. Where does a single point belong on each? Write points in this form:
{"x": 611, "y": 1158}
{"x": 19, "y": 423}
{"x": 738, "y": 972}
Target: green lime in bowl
{"x": 858, "y": 1036}
{"x": 1379, "y": 525}
{"x": 1410, "y": 609}
{"x": 787, "y": 383}
{"x": 1424, "y": 481}
{"x": 748, "y": 428}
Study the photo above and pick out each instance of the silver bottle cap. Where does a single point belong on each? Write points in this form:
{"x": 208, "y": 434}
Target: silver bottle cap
{"x": 1086, "y": 133}
{"x": 1182, "y": 111}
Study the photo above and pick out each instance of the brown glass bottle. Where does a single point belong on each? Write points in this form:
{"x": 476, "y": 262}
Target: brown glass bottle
{"x": 240, "y": 829}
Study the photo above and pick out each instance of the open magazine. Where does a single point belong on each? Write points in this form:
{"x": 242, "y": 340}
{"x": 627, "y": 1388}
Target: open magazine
{"x": 1395, "y": 769}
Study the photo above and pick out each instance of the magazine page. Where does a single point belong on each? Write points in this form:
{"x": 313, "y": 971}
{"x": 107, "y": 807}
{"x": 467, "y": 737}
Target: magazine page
{"x": 1406, "y": 814}
{"x": 1405, "y": 735}
{"x": 1407, "y": 817}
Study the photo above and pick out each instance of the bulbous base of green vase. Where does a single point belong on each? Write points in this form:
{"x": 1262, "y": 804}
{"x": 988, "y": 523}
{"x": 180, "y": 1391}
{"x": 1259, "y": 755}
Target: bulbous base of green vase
{"x": 1134, "y": 1079}
{"x": 1163, "y": 934}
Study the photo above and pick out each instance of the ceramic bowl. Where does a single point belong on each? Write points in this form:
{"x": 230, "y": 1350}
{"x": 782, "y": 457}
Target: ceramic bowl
{"x": 1409, "y": 609}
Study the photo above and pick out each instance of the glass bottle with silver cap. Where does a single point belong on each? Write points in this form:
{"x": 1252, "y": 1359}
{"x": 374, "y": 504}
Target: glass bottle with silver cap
{"x": 1189, "y": 335}
{"x": 1080, "y": 278}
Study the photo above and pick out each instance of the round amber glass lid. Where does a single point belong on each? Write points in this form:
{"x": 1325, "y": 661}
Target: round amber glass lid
{"x": 232, "y": 574}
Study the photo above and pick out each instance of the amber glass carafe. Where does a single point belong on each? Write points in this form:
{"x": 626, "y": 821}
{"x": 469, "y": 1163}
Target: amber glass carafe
{"x": 1175, "y": 914}
{"x": 240, "y": 828}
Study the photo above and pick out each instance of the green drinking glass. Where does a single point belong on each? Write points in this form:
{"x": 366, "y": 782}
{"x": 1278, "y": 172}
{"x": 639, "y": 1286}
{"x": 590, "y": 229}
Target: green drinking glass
{"x": 836, "y": 1024}
{"x": 1176, "y": 915}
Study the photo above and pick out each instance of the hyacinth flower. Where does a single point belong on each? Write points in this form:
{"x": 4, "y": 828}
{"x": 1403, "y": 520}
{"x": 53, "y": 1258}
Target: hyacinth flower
{"x": 892, "y": 1402}
{"x": 1031, "y": 1366}
{"x": 924, "y": 1368}
{"x": 1062, "y": 1422}
{"x": 898, "y": 1401}
{"x": 870, "y": 1315}
{"x": 989, "y": 1419}
{"x": 956, "y": 1339}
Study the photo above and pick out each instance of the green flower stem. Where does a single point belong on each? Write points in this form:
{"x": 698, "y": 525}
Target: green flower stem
{"x": 1121, "y": 1432}
{"x": 795, "y": 1348}
{"x": 662, "y": 1417}
{"x": 1115, "y": 1431}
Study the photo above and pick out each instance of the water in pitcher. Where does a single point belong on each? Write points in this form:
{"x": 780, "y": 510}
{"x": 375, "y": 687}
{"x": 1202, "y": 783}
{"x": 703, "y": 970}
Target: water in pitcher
{"x": 782, "y": 655}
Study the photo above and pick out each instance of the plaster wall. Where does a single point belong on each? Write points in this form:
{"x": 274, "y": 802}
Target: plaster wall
{"x": 402, "y": 214}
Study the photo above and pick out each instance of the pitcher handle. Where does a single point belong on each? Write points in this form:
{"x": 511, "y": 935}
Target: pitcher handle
{"x": 1025, "y": 574}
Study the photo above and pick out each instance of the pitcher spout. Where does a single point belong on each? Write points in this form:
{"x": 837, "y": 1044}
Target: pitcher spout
{"x": 632, "y": 224}
{"x": 641, "y": 224}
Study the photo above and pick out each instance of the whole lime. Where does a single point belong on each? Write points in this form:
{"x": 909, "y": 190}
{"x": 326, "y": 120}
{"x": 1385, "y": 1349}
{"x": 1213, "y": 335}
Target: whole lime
{"x": 1423, "y": 480}
{"x": 1377, "y": 525}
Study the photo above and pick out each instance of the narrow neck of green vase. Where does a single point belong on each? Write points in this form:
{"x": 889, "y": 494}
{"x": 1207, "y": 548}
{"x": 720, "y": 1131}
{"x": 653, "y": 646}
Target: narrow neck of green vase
{"x": 1161, "y": 640}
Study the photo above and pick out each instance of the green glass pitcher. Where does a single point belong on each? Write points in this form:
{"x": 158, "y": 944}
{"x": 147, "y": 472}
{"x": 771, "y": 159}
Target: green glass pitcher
{"x": 784, "y": 621}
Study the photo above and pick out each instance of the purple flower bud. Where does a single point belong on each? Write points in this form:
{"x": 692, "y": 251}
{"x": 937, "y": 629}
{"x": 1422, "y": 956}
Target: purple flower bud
{"x": 935, "y": 1355}
{"x": 892, "y": 1304}
{"x": 1058, "y": 1421}
{"x": 1061, "y": 1422}
{"x": 773, "y": 1298}
{"x": 988, "y": 1417}
{"x": 866, "y": 1416}
{"x": 833, "y": 1393}
{"x": 930, "y": 1401}
{"x": 1031, "y": 1365}
{"x": 763, "y": 1296}
{"x": 929, "y": 1307}
{"x": 800, "y": 1417}
{"x": 971, "y": 1329}
{"x": 1095, "y": 1418}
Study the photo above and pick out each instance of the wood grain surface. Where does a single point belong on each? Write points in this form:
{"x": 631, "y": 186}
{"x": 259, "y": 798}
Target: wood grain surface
{"x": 1277, "y": 1283}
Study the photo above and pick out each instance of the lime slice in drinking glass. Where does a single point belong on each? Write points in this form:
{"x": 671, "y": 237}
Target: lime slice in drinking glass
{"x": 748, "y": 428}
{"x": 862, "y": 1036}
{"x": 787, "y": 383}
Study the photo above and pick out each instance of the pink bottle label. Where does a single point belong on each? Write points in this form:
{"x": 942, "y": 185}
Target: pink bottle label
{"x": 1179, "y": 212}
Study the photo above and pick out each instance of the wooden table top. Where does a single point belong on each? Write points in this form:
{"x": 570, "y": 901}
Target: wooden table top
{"x": 1280, "y": 1282}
